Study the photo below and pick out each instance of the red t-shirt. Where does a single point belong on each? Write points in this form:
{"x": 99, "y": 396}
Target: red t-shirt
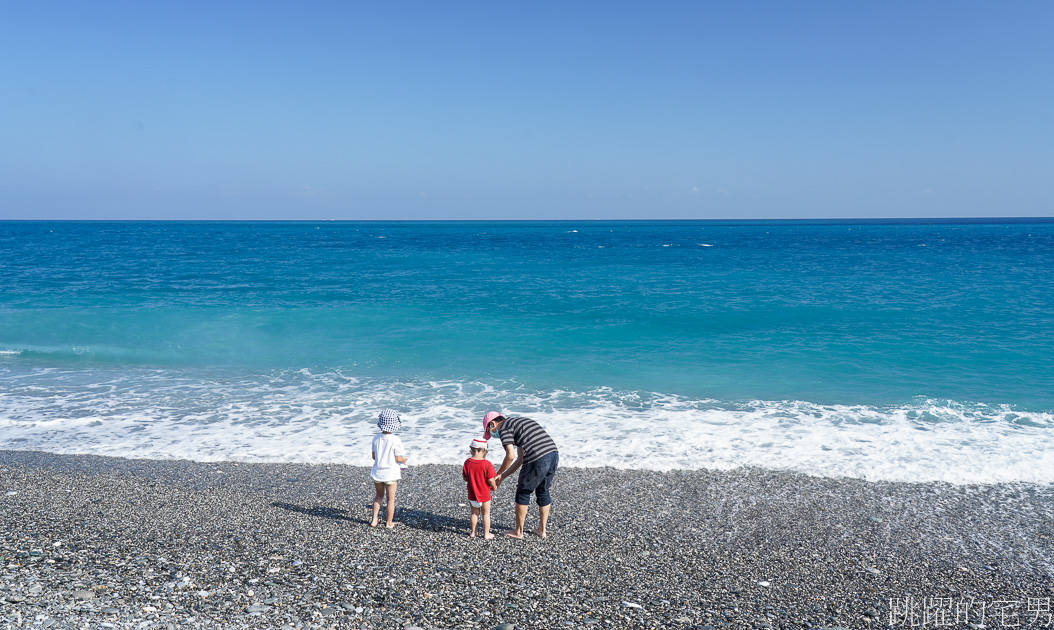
{"x": 476, "y": 472}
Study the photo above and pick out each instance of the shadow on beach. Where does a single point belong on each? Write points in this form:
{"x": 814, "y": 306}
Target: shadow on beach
{"x": 336, "y": 514}
{"x": 415, "y": 519}
{"x": 430, "y": 521}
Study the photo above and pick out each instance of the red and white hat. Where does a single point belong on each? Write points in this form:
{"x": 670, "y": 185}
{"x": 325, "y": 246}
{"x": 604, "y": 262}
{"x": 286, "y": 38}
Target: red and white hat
{"x": 478, "y": 443}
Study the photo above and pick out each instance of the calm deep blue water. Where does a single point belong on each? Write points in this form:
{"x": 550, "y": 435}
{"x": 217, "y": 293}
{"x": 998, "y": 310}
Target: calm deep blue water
{"x": 881, "y": 350}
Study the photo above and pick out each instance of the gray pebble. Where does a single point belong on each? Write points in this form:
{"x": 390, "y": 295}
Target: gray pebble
{"x": 726, "y": 539}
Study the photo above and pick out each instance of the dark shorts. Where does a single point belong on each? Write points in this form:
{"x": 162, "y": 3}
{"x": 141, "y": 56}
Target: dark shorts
{"x": 536, "y": 478}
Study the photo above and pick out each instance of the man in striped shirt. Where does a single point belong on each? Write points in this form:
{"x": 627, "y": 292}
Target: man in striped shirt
{"x": 530, "y": 449}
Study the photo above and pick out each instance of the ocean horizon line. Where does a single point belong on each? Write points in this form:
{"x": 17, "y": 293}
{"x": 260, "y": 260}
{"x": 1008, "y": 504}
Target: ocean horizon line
{"x": 748, "y": 221}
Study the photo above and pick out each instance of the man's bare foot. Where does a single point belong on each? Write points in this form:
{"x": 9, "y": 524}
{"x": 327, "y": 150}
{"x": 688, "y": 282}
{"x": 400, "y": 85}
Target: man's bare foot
{"x": 516, "y": 535}
{"x": 488, "y": 536}
{"x": 392, "y": 525}
{"x": 540, "y": 533}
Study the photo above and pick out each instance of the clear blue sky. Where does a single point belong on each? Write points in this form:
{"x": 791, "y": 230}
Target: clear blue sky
{"x": 535, "y": 110}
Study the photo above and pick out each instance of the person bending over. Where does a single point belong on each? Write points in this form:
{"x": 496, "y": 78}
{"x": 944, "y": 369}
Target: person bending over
{"x": 529, "y": 449}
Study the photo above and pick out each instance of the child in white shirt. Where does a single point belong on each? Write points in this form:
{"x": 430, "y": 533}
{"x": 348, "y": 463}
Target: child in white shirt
{"x": 388, "y": 454}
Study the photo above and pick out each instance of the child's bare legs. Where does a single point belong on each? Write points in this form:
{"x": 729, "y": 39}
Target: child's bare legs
{"x": 390, "y": 508}
{"x": 485, "y": 508}
{"x": 472, "y": 521}
{"x": 390, "y": 512}
{"x": 379, "y": 487}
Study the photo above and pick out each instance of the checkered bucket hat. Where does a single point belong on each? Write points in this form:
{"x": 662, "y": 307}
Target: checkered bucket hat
{"x": 389, "y": 421}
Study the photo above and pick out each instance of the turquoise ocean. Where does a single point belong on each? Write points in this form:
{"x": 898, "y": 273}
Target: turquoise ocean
{"x": 884, "y": 350}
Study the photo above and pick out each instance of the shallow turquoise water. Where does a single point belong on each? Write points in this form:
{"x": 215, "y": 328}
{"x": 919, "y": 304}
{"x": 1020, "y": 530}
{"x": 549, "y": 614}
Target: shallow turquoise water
{"x": 899, "y": 325}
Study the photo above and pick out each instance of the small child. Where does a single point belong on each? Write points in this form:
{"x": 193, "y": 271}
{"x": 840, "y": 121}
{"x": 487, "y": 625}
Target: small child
{"x": 479, "y": 473}
{"x": 388, "y": 454}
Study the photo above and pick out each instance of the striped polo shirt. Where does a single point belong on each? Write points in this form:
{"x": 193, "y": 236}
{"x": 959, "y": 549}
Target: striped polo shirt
{"x": 527, "y": 435}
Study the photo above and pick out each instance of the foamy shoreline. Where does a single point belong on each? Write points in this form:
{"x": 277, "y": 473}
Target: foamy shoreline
{"x": 142, "y": 543}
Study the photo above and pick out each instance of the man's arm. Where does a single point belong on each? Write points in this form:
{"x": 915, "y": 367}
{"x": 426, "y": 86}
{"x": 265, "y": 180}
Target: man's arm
{"x": 513, "y": 460}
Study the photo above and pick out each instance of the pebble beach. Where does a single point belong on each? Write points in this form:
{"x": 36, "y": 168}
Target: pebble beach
{"x": 98, "y": 542}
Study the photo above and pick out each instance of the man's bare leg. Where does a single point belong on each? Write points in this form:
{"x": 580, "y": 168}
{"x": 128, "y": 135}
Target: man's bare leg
{"x": 521, "y": 518}
{"x": 543, "y": 518}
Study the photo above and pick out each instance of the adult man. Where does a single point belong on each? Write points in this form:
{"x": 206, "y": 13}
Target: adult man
{"x": 529, "y": 447}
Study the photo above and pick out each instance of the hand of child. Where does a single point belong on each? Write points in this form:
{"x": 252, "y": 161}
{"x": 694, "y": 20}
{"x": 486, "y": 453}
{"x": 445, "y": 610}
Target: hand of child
{"x": 493, "y": 484}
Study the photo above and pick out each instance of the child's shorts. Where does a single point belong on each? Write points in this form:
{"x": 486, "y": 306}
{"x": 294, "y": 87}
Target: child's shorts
{"x": 387, "y": 483}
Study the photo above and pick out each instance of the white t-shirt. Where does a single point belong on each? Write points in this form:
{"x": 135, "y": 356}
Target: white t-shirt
{"x": 386, "y": 447}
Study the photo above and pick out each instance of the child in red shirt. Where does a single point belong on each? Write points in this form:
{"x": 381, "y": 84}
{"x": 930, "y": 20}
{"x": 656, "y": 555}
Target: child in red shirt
{"x": 479, "y": 473}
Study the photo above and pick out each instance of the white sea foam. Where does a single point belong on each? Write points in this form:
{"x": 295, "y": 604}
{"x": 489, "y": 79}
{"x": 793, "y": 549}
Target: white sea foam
{"x": 329, "y": 417}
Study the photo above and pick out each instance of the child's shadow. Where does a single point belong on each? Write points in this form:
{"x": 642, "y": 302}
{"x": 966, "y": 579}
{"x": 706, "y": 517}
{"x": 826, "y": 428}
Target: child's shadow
{"x": 430, "y": 521}
{"x": 336, "y": 514}
{"x": 415, "y": 519}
